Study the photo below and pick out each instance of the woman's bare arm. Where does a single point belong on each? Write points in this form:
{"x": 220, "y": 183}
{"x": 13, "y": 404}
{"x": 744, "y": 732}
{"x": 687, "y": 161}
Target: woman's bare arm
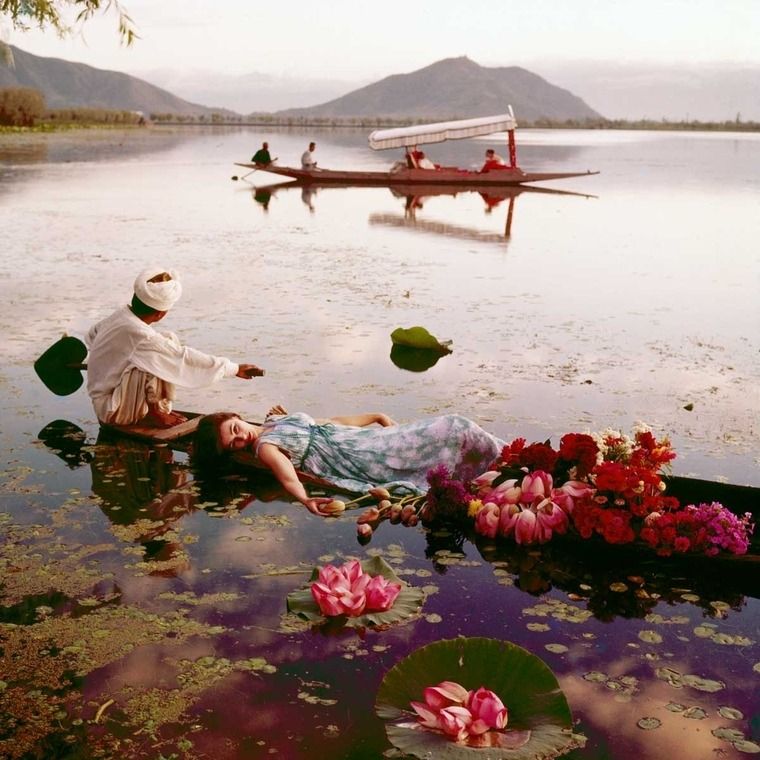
{"x": 363, "y": 420}
{"x": 282, "y": 468}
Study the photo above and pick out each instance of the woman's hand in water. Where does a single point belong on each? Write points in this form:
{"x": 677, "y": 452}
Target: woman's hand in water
{"x": 385, "y": 420}
{"x": 316, "y": 504}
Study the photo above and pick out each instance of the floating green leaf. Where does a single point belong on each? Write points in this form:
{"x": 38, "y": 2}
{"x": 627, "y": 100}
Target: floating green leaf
{"x": 540, "y": 722}
{"x": 419, "y": 337}
{"x": 407, "y": 603}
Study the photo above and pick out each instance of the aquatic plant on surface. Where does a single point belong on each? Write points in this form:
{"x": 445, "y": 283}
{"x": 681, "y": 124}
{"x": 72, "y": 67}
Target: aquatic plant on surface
{"x": 489, "y": 694}
{"x": 358, "y": 593}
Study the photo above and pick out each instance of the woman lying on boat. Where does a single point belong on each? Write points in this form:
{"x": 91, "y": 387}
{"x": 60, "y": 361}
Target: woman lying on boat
{"x": 353, "y": 453}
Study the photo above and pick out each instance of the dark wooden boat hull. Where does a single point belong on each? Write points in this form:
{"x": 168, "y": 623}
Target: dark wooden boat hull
{"x": 446, "y": 175}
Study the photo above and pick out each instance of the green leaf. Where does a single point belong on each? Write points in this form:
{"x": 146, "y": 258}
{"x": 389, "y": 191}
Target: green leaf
{"x": 540, "y": 722}
{"x": 419, "y": 337}
{"x": 407, "y": 604}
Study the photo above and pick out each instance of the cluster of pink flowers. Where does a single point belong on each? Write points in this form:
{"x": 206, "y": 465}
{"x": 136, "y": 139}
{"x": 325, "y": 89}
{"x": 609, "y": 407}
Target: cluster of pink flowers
{"x": 531, "y": 509}
{"x": 459, "y": 713}
{"x": 706, "y": 528}
{"x": 607, "y": 484}
{"x": 348, "y": 590}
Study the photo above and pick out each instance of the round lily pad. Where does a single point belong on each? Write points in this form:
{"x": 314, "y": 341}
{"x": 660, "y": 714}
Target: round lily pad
{"x": 407, "y": 604}
{"x": 540, "y": 722}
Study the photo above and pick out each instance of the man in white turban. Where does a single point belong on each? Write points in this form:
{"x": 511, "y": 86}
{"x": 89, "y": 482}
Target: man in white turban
{"x": 132, "y": 369}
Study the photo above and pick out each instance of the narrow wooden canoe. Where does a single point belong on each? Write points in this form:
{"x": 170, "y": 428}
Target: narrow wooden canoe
{"x": 445, "y": 175}
{"x": 738, "y": 498}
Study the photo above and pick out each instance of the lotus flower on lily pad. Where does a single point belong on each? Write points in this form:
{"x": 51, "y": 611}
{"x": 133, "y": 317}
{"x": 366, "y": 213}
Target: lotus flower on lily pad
{"x": 358, "y": 594}
{"x": 453, "y": 698}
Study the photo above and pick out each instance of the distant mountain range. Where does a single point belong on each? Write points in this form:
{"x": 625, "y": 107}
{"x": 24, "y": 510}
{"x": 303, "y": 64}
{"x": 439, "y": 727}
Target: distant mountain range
{"x": 65, "y": 84}
{"x": 448, "y": 88}
{"x": 456, "y": 87}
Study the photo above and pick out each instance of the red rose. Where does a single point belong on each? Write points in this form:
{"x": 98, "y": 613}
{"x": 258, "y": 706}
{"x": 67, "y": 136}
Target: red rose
{"x": 580, "y": 451}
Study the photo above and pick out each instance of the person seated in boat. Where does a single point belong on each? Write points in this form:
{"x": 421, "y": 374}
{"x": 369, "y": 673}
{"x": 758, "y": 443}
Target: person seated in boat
{"x": 353, "y": 453}
{"x": 132, "y": 368}
{"x": 423, "y": 162}
{"x": 307, "y": 158}
{"x": 262, "y": 157}
{"x": 493, "y": 161}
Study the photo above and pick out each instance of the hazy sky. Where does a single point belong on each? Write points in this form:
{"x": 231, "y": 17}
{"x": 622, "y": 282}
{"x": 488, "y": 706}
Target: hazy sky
{"x": 354, "y": 40}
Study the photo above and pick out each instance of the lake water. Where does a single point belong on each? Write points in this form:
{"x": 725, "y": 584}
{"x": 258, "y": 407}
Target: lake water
{"x": 632, "y": 295}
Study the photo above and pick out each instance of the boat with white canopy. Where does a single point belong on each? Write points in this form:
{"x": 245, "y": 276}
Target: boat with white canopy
{"x": 414, "y": 170}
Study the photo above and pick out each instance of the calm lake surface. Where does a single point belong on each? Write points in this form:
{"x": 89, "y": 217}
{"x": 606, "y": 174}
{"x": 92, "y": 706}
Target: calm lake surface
{"x": 632, "y": 295}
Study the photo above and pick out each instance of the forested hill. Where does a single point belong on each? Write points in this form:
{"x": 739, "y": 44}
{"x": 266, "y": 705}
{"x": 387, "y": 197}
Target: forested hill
{"x": 456, "y": 88}
{"x": 65, "y": 84}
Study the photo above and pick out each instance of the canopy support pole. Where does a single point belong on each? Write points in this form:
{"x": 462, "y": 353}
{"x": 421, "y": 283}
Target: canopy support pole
{"x": 512, "y": 149}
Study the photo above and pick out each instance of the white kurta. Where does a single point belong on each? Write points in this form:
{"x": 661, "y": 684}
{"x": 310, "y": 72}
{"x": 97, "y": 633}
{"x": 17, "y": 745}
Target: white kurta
{"x": 123, "y": 341}
{"x": 307, "y": 160}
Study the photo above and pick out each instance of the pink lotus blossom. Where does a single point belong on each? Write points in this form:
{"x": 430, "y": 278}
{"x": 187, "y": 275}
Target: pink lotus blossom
{"x": 525, "y": 526}
{"x": 485, "y": 480}
{"x": 447, "y": 693}
{"x": 569, "y": 493}
{"x": 507, "y": 519}
{"x": 381, "y": 594}
{"x": 550, "y": 519}
{"x": 455, "y": 721}
{"x": 459, "y": 713}
{"x": 487, "y": 520}
{"x": 487, "y": 710}
{"x": 536, "y": 486}
{"x": 348, "y": 590}
{"x": 507, "y": 492}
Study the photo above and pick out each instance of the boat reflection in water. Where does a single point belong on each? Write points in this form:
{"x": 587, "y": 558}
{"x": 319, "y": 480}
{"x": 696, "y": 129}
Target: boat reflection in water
{"x": 415, "y": 197}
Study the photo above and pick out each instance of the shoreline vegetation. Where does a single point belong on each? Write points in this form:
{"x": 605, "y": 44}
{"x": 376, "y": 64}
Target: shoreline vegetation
{"x": 70, "y": 119}
{"x": 23, "y": 110}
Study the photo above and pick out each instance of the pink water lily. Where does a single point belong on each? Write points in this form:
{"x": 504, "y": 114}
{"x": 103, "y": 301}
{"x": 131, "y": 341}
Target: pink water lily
{"x": 507, "y": 492}
{"x": 484, "y": 481}
{"x": 550, "y": 519}
{"x": 487, "y": 520}
{"x": 569, "y": 493}
{"x": 459, "y": 713}
{"x": 487, "y": 710}
{"x": 455, "y": 721}
{"x": 348, "y": 590}
{"x": 536, "y": 486}
{"x": 525, "y": 526}
{"x": 381, "y": 594}
{"x": 507, "y": 519}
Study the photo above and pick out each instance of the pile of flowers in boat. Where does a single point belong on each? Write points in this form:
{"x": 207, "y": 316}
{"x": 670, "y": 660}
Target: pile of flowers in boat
{"x": 607, "y": 484}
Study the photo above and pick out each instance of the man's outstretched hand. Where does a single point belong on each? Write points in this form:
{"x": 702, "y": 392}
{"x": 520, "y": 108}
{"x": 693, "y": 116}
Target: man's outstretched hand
{"x": 248, "y": 371}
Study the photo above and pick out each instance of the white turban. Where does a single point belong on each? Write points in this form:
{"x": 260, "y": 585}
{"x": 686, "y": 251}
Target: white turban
{"x": 160, "y": 295}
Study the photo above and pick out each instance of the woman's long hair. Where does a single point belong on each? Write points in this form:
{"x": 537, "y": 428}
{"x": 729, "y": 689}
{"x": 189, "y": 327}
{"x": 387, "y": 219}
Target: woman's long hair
{"x": 207, "y": 442}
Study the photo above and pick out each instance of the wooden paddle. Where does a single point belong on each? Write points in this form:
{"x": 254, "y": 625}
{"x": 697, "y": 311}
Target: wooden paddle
{"x": 60, "y": 367}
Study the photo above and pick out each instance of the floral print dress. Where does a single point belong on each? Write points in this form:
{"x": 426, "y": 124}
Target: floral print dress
{"x": 397, "y": 457}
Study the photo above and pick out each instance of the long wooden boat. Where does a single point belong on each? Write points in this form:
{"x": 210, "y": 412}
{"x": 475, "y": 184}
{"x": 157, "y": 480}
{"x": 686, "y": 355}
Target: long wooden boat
{"x": 410, "y": 172}
{"x": 444, "y": 175}
{"x": 737, "y": 498}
